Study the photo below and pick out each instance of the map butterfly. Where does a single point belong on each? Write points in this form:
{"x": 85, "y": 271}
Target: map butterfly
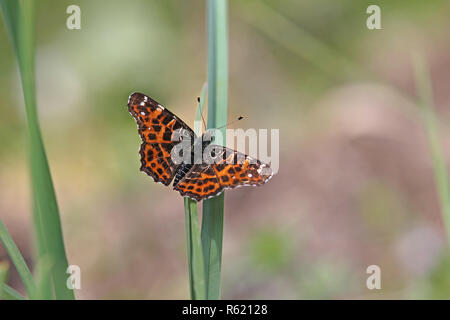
{"x": 198, "y": 181}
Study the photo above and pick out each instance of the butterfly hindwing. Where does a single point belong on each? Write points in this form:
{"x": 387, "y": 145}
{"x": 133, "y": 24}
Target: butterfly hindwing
{"x": 199, "y": 183}
{"x": 230, "y": 169}
{"x": 156, "y": 126}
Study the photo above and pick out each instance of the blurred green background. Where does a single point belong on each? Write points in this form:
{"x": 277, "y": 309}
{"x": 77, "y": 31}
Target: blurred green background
{"x": 355, "y": 185}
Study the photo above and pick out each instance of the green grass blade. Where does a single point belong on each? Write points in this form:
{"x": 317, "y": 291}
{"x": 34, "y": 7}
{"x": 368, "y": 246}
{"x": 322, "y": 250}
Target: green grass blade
{"x": 430, "y": 122}
{"x": 212, "y": 236}
{"x": 188, "y": 221}
{"x": 199, "y": 114}
{"x": 194, "y": 249}
{"x": 19, "y": 17}
{"x": 213, "y": 209}
{"x": 42, "y": 278}
{"x": 11, "y": 294}
{"x": 18, "y": 260}
{"x": 193, "y": 239}
{"x": 295, "y": 39}
{"x": 6, "y": 292}
{"x": 10, "y": 10}
{"x": 4, "y": 268}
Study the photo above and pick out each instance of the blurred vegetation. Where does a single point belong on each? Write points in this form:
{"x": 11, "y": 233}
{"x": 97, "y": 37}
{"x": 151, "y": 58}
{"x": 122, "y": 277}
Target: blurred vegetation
{"x": 355, "y": 185}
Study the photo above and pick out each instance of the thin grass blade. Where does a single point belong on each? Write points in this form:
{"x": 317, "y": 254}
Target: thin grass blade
{"x": 42, "y": 274}
{"x": 431, "y": 125}
{"x": 18, "y": 260}
{"x": 4, "y": 268}
{"x": 11, "y": 294}
{"x": 213, "y": 209}
{"x": 195, "y": 254}
{"x": 19, "y": 16}
{"x": 188, "y": 222}
{"x": 297, "y": 40}
{"x": 193, "y": 238}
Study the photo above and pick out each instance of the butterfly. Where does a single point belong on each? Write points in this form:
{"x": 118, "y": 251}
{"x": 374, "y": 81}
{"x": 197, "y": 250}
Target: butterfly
{"x": 158, "y": 128}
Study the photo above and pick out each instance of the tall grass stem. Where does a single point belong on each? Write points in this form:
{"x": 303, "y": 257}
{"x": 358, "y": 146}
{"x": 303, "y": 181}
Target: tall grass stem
{"x": 19, "y": 261}
{"x": 213, "y": 209}
{"x": 431, "y": 125}
{"x": 19, "y": 16}
{"x": 193, "y": 236}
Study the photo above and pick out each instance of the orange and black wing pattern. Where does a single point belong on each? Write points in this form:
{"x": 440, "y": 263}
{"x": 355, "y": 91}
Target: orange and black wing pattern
{"x": 230, "y": 169}
{"x": 156, "y": 126}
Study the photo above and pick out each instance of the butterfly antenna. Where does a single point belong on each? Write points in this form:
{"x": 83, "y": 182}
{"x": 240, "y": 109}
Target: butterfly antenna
{"x": 226, "y": 125}
{"x": 201, "y": 113}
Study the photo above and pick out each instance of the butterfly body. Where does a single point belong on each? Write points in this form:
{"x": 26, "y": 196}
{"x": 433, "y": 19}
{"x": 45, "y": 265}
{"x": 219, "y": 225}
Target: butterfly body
{"x": 181, "y": 172}
{"x": 198, "y": 144}
{"x": 161, "y": 131}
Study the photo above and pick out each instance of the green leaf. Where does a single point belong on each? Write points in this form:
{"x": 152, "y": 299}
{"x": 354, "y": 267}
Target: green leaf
{"x": 212, "y": 235}
{"x": 194, "y": 251}
{"x": 193, "y": 239}
{"x": 42, "y": 278}
{"x": 18, "y": 260}
{"x": 213, "y": 209}
{"x": 19, "y": 17}
{"x": 189, "y": 251}
{"x": 431, "y": 124}
{"x": 4, "y": 268}
{"x": 11, "y": 294}
{"x": 6, "y": 292}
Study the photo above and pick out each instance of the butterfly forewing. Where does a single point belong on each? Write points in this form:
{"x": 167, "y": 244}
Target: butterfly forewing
{"x": 156, "y": 126}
